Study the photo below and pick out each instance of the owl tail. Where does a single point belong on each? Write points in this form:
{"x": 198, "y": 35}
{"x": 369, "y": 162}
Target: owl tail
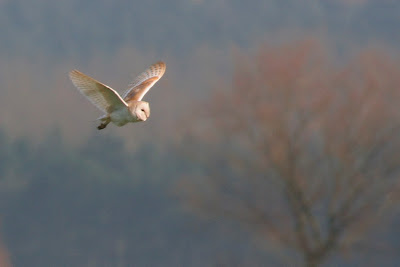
{"x": 105, "y": 120}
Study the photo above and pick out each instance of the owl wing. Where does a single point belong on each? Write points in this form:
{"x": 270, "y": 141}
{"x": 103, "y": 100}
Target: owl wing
{"x": 142, "y": 83}
{"x": 103, "y": 97}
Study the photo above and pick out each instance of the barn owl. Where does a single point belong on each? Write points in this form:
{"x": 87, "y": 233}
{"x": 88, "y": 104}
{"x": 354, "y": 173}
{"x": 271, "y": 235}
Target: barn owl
{"x": 119, "y": 110}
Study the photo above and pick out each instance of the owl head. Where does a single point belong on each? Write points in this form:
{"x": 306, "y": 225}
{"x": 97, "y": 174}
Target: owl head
{"x": 141, "y": 109}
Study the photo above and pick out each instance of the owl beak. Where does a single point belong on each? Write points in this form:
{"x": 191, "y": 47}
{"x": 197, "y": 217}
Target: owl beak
{"x": 143, "y": 118}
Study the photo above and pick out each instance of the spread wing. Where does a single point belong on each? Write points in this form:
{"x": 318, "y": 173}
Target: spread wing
{"x": 103, "y": 97}
{"x": 142, "y": 84}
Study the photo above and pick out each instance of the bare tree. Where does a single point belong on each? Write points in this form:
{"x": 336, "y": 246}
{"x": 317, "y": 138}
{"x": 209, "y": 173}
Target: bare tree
{"x": 304, "y": 153}
{"x": 5, "y": 257}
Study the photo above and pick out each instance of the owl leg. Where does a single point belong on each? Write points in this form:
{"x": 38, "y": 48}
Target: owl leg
{"x": 104, "y": 122}
{"x": 102, "y": 126}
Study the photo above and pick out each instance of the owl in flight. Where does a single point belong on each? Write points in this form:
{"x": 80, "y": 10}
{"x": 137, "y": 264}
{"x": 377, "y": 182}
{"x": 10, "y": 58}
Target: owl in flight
{"x": 119, "y": 110}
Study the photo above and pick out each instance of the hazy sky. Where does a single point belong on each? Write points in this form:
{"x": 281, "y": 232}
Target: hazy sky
{"x": 114, "y": 40}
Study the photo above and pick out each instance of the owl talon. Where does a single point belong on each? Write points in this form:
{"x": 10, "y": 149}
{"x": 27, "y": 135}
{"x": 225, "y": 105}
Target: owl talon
{"x": 101, "y": 126}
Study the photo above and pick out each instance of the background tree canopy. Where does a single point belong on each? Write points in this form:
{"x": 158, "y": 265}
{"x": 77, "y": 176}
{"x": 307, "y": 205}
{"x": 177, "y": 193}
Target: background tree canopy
{"x": 261, "y": 149}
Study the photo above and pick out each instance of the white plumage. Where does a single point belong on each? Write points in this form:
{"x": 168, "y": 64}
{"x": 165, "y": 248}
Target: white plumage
{"x": 117, "y": 109}
{"x": 151, "y": 75}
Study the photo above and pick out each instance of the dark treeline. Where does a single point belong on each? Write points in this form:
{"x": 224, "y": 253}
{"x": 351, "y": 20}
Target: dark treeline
{"x": 100, "y": 205}
{"x": 73, "y": 196}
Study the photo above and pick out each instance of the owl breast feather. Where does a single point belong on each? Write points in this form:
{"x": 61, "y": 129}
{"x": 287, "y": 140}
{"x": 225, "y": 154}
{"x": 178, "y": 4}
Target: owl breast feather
{"x": 122, "y": 116}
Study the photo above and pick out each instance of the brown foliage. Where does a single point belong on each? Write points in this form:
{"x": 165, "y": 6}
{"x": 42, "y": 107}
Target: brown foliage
{"x": 302, "y": 152}
{"x": 5, "y": 257}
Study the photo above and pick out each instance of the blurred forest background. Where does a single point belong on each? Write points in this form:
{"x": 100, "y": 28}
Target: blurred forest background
{"x": 274, "y": 138}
